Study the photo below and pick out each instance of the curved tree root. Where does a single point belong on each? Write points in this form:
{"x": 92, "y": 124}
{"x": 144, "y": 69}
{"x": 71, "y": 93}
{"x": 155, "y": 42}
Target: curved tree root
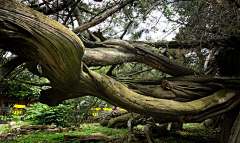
{"x": 148, "y": 133}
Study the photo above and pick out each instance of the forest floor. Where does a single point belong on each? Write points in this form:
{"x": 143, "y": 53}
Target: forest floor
{"x": 191, "y": 133}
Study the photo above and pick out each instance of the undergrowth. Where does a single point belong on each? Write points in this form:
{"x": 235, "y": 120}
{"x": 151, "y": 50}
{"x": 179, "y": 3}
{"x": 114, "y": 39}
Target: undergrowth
{"x": 191, "y": 133}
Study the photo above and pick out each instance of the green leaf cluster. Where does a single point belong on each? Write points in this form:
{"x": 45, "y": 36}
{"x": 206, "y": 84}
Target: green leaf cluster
{"x": 42, "y": 114}
{"x": 13, "y": 90}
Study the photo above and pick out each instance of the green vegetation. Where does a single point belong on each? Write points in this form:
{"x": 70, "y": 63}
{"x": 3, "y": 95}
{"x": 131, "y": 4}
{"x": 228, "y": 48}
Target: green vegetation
{"x": 59, "y": 137}
{"x": 42, "y": 114}
{"x": 16, "y": 90}
{"x": 4, "y": 127}
{"x": 40, "y": 137}
{"x": 193, "y": 125}
{"x": 192, "y": 133}
{"x": 96, "y": 128}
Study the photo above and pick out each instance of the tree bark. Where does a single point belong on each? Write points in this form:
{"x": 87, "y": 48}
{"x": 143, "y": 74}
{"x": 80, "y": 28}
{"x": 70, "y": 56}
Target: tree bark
{"x": 235, "y": 131}
{"x": 119, "y": 51}
{"x": 227, "y": 125}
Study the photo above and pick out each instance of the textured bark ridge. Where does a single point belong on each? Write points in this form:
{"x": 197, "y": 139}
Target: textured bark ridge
{"x": 115, "y": 51}
{"x": 27, "y": 32}
{"x": 59, "y": 52}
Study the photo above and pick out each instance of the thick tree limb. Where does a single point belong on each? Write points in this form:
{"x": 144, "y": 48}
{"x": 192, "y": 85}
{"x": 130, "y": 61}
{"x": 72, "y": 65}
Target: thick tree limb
{"x": 59, "y": 52}
{"x": 107, "y": 56}
{"x": 7, "y": 68}
{"x": 54, "y": 97}
{"x": 178, "y": 90}
{"x": 119, "y": 51}
{"x": 64, "y": 68}
{"x": 190, "y": 78}
{"x": 116, "y": 93}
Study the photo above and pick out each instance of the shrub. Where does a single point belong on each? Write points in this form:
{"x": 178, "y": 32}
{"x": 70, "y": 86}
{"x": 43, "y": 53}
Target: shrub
{"x": 42, "y": 114}
{"x": 13, "y": 117}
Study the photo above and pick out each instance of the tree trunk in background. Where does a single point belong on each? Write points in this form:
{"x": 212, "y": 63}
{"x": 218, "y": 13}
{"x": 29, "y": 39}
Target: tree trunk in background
{"x": 177, "y": 126}
{"x": 228, "y": 62}
{"x": 235, "y": 132}
{"x": 227, "y": 125}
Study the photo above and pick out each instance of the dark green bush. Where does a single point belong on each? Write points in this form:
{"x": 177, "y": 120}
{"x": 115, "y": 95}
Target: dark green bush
{"x": 42, "y": 114}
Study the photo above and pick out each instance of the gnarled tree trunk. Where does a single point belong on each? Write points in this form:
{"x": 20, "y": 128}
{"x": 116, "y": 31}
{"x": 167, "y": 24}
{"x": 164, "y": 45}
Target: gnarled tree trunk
{"x": 59, "y": 52}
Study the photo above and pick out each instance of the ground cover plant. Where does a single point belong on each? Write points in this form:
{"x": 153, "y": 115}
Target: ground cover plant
{"x": 59, "y": 137}
{"x": 42, "y": 114}
{"x": 191, "y": 133}
{"x": 35, "y": 137}
{"x": 3, "y": 127}
{"x": 96, "y": 128}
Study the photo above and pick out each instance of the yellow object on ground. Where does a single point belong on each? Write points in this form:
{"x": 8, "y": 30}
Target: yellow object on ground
{"x": 19, "y": 106}
{"x": 96, "y": 110}
{"x": 107, "y": 109}
{"x": 16, "y": 109}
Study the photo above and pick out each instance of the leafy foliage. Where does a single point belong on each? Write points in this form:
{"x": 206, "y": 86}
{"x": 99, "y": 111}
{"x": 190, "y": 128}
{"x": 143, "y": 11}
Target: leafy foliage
{"x": 200, "y": 20}
{"x": 12, "y": 117}
{"x": 81, "y": 108}
{"x": 12, "y": 89}
{"x": 42, "y": 114}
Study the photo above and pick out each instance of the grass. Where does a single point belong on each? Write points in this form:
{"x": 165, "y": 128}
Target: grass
{"x": 191, "y": 133}
{"x": 193, "y": 125}
{"x": 20, "y": 123}
{"x": 96, "y": 128}
{"x": 4, "y": 127}
{"x": 42, "y": 137}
